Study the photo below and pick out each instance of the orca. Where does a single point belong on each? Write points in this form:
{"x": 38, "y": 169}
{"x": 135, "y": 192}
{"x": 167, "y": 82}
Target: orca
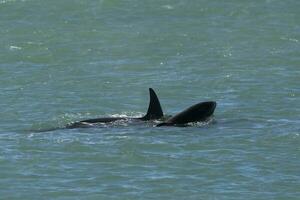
{"x": 154, "y": 112}
{"x": 199, "y": 112}
{"x": 196, "y": 113}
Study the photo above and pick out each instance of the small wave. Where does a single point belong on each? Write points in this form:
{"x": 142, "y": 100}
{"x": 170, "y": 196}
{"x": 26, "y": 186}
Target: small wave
{"x": 13, "y": 48}
{"x": 126, "y": 115}
{"x": 168, "y": 7}
{"x": 203, "y": 123}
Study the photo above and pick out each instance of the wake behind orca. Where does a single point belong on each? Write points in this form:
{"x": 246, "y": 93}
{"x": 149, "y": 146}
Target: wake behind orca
{"x": 197, "y": 113}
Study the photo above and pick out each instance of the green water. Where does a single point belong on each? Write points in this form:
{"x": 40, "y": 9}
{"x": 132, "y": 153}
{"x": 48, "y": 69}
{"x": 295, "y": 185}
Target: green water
{"x": 63, "y": 61}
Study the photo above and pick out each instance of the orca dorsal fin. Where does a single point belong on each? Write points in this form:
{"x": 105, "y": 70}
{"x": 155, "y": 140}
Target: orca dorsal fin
{"x": 154, "y": 109}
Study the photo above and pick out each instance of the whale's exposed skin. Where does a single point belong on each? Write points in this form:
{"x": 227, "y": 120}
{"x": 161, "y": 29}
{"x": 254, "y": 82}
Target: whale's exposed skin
{"x": 154, "y": 112}
{"x": 196, "y": 113}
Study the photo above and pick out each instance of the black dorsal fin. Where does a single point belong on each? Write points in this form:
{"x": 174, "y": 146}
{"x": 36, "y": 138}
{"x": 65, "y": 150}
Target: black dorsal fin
{"x": 154, "y": 109}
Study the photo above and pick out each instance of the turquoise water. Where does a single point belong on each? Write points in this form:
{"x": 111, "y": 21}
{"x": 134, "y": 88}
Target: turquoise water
{"x": 63, "y": 61}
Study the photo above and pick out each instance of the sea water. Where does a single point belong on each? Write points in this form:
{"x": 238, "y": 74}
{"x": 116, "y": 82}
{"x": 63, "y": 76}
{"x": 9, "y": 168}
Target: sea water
{"x": 64, "y": 61}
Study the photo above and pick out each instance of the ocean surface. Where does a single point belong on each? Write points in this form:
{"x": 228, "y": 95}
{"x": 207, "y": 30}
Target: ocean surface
{"x": 67, "y": 60}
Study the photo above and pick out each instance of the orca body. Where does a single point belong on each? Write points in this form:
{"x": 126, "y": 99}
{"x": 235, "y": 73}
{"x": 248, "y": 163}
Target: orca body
{"x": 154, "y": 112}
{"x": 196, "y": 113}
